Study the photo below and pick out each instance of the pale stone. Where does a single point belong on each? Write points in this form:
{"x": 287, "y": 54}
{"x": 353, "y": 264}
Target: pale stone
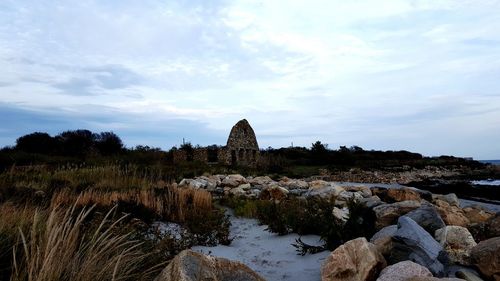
{"x": 356, "y": 260}
{"x": 457, "y": 241}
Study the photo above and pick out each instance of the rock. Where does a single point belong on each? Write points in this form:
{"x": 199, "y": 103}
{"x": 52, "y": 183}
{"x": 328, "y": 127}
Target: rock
{"x": 233, "y": 180}
{"x": 401, "y": 271}
{"x": 486, "y": 257}
{"x": 237, "y": 191}
{"x": 427, "y": 217}
{"x": 403, "y": 194}
{"x": 467, "y": 275}
{"x": 193, "y": 266}
{"x": 292, "y": 184}
{"x": 383, "y": 239}
{"x": 365, "y": 191}
{"x": 451, "y": 215}
{"x": 274, "y": 192}
{"x": 345, "y": 196}
{"x": 387, "y": 231}
{"x": 477, "y": 215}
{"x": 457, "y": 241}
{"x": 245, "y": 186}
{"x": 356, "y": 260}
{"x": 341, "y": 214}
{"x": 371, "y": 202}
{"x": 193, "y": 183}
{"x": 387, "y": 214}
{"x": 494, "y": 226}
{"x": 323, "y": 189}
{"x": 451, "y": 199}
{"x": 262, "y": 181}
{"x": 412, "y": 242}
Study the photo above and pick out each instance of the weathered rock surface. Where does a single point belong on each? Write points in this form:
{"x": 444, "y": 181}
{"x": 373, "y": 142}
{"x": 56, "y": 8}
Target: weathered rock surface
{"x": 457, "y": 241}
{"x": 403, "y": 194}
{"x": 192, "y": 266}
{"x": 387, "y": 214}
{"x": 292, "y": 184}
{"x": 383, "y": 239}
{"x": 451, "y": 199}
{"x": 234, "y": 180}
{"x": 427, "y": 217}
{"x": 324, "y": 189}
{"x": 412, "y": 242}
{"x": 371, "y": 202}
{"x": 262, "y": 181}
{"x": 341, "y": 214}
{"x": 356, "y": 260}
{"x": 274, "y": 192}
{"x": 401, "y": 271}
{"x": 345, "y": 196}
{"x": 477, "y": 215}
{"x": 450, "y": 214}
{"x": 365, "y": 191}
{"x": 486, "y": 257}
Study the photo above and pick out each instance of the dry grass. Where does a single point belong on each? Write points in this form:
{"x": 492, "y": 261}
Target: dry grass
{"x": 55, "y": 249}
{"x": 170, "y": 203}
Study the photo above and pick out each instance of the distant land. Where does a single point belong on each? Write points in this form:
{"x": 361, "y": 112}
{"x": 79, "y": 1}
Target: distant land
{"x": 494, "y": 162}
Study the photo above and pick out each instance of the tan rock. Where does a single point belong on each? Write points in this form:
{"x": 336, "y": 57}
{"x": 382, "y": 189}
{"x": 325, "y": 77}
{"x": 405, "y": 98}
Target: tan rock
{"x": 356, "y": 260}
{"x": 274, "y": 192}
{"x": 365, "y": 191}
{"x": 401, "y": 271}
{"x": 486, "y": 257}
{"x": 477, "y": 215}
{"x": 457, "y": 241}
{"x": 451, "y": 215}
{"x": 451, "y": 199}
{"x": 388, "y": 214}
{"x": 403, "y": 194}
{"x": 193, "y": 266}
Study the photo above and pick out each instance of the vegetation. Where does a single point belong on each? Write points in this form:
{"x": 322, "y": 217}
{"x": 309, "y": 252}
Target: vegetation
{"x": 308, "y": 216}
{"x": 61, "y": 208}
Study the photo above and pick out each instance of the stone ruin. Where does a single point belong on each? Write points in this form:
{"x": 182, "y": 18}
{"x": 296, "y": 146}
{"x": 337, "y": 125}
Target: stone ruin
{"x": 241, "y": 149}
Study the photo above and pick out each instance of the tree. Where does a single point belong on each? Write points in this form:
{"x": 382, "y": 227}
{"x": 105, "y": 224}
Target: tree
{"x": 76, "y": 143}
{"x": 108, "y": 143}
{"x": 319, "y": 153}
{"x": 36, "y": 143}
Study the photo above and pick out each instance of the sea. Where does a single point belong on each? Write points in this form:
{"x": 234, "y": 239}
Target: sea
{"x": 494, "y": 162}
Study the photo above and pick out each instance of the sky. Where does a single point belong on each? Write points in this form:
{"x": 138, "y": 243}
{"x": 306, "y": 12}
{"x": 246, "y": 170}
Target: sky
{"x": 417, "y": 75}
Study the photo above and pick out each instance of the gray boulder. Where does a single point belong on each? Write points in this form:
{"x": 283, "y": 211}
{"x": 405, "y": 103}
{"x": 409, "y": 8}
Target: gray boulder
{"x": 427, "y": 217}
{"x": 412, "y": 242}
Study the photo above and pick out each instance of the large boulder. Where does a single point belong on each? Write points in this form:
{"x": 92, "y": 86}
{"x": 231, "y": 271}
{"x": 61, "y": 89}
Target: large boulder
{"x": 365, "y": 191}
{"x": 274, "y": 192}
{"x": 457, "y": 241}
{"x": 427, "y": 217}
{"x": 401, "y": 271}
{"x": 371, "y": 202}
{"x": 383, "y": 239}
{"x": 452, "y": 215}
{"x": 292, "y": 184}
{"x": 356, "y": 260}
{"x": 451, "y": 199}
{"x": 193, "y": 183}
{"x": 477, "y": 215}
{"x": 387, "y": 214}
{"x": 234, "y": 180}
{"x": 345, "y": 196}
{"x": 403, "y": 194}
{"x": 486, "y": 257}
{"x": 193, "y": 266}
{"x": 261, "y": 181}
{"x": 412, "y": 242}
{"x": 324, "y": 189}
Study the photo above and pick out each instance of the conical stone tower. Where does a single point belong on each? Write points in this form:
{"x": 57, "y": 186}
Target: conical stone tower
{"x": 242, "y": 148}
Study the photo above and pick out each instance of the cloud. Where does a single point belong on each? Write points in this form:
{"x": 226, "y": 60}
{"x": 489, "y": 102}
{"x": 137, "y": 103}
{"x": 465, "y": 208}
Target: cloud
{"x": 386, "y": 74}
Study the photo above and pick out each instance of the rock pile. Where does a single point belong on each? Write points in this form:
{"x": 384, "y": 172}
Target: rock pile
{"x": 422, "y": 236}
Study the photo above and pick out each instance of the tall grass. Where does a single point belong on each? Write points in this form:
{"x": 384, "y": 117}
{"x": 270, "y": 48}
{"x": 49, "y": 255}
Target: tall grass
{"x": 56, "y": 249}
{"x": 170, "y": 203}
